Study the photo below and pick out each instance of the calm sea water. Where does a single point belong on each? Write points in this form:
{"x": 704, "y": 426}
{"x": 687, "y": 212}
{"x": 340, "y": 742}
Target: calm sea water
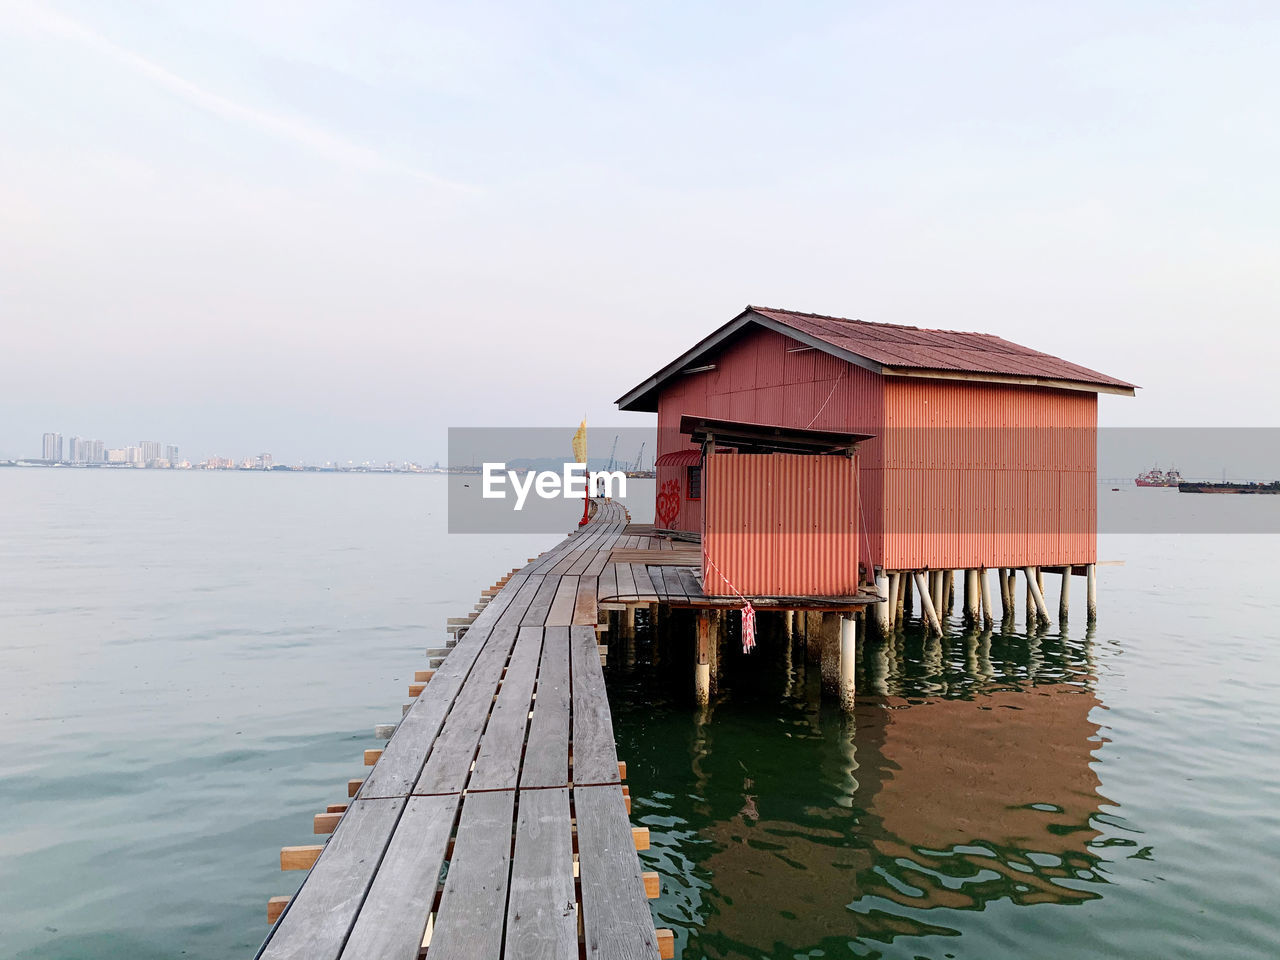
{"x": 191, "y": 665}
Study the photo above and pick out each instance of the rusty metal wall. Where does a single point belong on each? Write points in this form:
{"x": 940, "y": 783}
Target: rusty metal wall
{"x": 780, "y": 525}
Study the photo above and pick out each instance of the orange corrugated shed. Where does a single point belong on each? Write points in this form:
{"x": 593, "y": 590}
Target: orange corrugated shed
{"x": 780, "y": 525}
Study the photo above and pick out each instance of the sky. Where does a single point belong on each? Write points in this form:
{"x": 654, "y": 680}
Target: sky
{"x": 332, "y": 230}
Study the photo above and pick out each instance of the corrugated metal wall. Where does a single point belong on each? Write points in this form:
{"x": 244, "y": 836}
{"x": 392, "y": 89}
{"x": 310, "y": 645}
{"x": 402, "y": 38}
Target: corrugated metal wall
{"x": 986, "y": 475}
{"x": 672, "y": 509}
{"x": 961, "y": 474}
{"x": 780, "y": 525}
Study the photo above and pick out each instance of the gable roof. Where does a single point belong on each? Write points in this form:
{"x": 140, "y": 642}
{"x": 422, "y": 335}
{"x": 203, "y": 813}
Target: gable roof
{"x": 895, "y": 351}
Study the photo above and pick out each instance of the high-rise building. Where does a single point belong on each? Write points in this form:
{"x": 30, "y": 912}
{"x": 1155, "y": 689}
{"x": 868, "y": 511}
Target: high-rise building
{"x": 171, "y": 453}
{"x": 75, "y": 450}
{"x": 133, "y": 455}
{"x": 117, "y": 456}
{"x": 151, "y": 450}
{"x": 53, "y": 447}
{"x": 96, "y": 452}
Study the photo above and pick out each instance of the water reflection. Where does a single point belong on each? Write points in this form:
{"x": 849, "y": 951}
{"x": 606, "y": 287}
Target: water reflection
{"x": 782, "y": 826}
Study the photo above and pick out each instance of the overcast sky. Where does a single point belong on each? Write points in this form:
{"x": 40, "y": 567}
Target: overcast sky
{"x": 332, "y": 230}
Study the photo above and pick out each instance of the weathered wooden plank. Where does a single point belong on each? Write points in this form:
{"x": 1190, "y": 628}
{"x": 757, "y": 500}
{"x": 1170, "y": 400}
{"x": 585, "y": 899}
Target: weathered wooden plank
{"x": 615, "y": 914}
{"x": 542, "y": 923}
{"x": 318, "y": 920}
{"x": 644, "y": 585}
{"x": 624, "y": 582}
{"x": 608, "y": 582}
{"x": 449, "y": 763}
{"x": 546, "y": 759}
{"x": 670, "y": 581}
{"x": 561, "y": 612}
{"x": 689, "y": 582}
{"x": 585, "y": 606}
{"x": 659, "y": 585}
{"x": 394, "y": 915}
{"x": 469, "y": 923}
{"x": 498, "y": 763}
{"x": 595, "y": 756}
{"x": 536, "y": 615}
{"x": 679, "y": 556}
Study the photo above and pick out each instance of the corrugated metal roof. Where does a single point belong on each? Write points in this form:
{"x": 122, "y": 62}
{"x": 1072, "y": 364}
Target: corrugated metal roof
{"x": 920, "y": 348}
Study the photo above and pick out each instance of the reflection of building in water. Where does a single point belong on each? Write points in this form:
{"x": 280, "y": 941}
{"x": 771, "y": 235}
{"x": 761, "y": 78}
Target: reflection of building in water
{"x": 950, "y": 804}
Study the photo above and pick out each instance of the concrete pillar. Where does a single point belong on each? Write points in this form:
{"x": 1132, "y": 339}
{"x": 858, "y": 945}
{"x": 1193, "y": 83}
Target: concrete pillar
{"x": 831, "y": 653}
{"x": 972, "y": 601}
{"x": 1064, "y": 598}
{"x": 1091, "y": 590}
{"x": 1033, "y": 588}
{"x": 1033, "y": 615}
{"x": 935, "y": 593}
{"x": 907, "y": 588}
{"x": 948, "y": 593}
{"x": 813, "y": 636}
{"x": 984, "y": 591}
{"x": 882, "y": 607}
{"x": 848, "y": 660}
{"x": 895, "y": 602}
{"x": 926, "y": 603}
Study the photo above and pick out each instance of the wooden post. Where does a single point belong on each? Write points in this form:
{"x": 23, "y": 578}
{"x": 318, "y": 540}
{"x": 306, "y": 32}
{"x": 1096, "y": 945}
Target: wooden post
{"x": 1033, "y": 588}
{"x": 813, "y": 636}
{"x": 702, "y": 661}
{"x": 848, "y": 660}
{"x": 1006, "y": 595}
{"x": 1091, "y": 576}
{"x": 926, "y": 603}
{"x": 935, "y": 593}
{"x": 984, "y": 582}
{"x": 882, "y": 607}
{"x": 907, "y": 590}
{"x": 1064, "y": 598}
{"x": 948, "y": 591}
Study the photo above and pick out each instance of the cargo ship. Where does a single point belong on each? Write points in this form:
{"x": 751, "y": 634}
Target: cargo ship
{"x": 1155, "y": 477}
{"x": 1272, "y": 487}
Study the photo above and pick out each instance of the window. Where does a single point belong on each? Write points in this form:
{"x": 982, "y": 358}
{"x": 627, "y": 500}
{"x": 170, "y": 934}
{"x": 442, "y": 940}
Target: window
{"x": 693, "y": 483}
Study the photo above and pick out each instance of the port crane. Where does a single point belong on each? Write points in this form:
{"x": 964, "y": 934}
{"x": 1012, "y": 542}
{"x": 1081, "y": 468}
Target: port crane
{"x": 612, "y": 454}
{"x": 636, "y": 467}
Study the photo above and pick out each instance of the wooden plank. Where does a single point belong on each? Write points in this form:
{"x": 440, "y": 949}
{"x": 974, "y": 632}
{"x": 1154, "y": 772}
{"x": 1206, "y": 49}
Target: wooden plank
{"x": 546, "y": 758}
{"x": 677, "y": 556}
{"x": 318, "y": 920}
{"x": 561, "y": 612}
{"x": 670, "y": 581}
{"x": 626, "y": 583}
{"x": 541, "y": 920}
{"x": 607, "y": 582}
{"x": 689, "y": 581}
{"x": 449, "y": 762}
{"x": 469, "y": 923}
{"x": 615, "y": 913}
{"x": 659, "y": 585}
{"x": 585, "y": 603}
{"x": 536, "y": 615}
{"x": 394, "y": 915}
{"x": 644, "y": 586}
{"x": 498, "y": 763}
{"x": 595, "y": 756}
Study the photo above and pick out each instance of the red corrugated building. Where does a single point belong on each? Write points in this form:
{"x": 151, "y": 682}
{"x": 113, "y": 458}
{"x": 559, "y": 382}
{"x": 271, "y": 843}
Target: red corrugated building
{"x": 985, "y": 452}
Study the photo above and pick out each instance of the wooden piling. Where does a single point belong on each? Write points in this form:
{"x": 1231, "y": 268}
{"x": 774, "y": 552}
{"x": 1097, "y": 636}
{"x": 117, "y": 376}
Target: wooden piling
{"x": 972, "y": 602}
{"x": 702, "y": 661}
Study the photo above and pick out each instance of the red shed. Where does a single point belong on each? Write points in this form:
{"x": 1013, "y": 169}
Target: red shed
{"x": 985, "y": 452}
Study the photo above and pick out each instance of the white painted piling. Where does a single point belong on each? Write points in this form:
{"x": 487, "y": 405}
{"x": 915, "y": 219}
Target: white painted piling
{"x": 895, "y": 601}
{"x": 848, "y": 660}
{"x": 926, "y": 602}
{"x": 984, "y": 584}
{"x": 1033, "y": 589}
{"x": 1064, "y": 597}
{"x": 1091, "y": 577}
{"x": 882, "y": 606}
{"x": 972, "y": 601}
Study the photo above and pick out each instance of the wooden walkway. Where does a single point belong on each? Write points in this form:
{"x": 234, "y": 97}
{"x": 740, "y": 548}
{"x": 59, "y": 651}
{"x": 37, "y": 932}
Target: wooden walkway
{"x": 495, "y": 823}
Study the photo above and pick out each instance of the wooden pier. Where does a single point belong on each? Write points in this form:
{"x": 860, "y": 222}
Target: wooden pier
{"x": 495, "y": 823}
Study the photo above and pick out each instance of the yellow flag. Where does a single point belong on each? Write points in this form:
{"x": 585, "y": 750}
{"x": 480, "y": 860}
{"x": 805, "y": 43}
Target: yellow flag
{"x": 580, "y": 443}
